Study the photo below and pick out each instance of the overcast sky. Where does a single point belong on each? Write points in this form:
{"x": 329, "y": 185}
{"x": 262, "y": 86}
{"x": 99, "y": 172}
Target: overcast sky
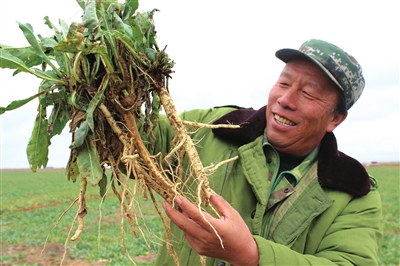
{"x": 225, "y": 54}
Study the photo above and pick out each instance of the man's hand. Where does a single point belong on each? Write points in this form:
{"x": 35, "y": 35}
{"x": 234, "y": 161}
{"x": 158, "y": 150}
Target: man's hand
{"x": 239, "y": 245}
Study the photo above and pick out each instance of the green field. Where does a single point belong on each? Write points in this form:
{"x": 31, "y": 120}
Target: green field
{"x": 31, "y": 204}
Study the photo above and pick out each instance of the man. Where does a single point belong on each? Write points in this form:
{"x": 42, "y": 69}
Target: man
{"x": 291, "y": 198}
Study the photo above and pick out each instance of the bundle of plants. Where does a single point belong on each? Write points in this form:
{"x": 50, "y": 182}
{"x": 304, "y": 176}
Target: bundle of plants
{"x": 106, "y": 77}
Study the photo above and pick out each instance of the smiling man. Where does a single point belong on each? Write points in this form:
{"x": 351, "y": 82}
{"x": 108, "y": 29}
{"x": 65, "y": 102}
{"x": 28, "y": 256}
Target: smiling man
{"x": 291, "y": 198}
{"x": 301, "y": 108}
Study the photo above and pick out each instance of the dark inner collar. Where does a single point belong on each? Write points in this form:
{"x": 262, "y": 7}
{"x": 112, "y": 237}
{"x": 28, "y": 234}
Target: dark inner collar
{"x": 288, "y": 162}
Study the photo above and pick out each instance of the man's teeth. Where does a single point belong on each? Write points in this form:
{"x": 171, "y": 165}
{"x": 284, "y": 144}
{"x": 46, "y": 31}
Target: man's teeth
{"x": 283, "y": 121}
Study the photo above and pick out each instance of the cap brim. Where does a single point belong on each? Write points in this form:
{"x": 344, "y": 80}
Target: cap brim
{"x": 287, "y": 54}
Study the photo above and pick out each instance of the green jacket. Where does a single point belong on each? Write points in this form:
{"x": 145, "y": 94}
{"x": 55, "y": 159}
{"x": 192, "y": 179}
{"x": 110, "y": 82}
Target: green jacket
{"x": 333, "y": 216}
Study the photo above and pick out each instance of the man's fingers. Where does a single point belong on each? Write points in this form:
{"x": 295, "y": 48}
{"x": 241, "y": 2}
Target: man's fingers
{"x": 178, "y": 217}
{"x": 221, "y": 204}
{"x": 193, "y": 215}
{"x": 190, "y": 219}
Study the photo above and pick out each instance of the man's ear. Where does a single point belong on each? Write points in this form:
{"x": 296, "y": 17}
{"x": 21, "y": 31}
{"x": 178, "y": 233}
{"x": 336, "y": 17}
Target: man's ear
{"x": 337, "y": 119}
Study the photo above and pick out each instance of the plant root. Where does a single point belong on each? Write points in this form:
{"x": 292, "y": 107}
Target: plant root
{"x": 202, "y": 125}
{"x": 58, "y": 221}
{"x": 82, "y": 211}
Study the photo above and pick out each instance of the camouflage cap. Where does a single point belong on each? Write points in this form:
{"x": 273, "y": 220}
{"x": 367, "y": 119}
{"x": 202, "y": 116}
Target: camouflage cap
{"x": 341, "y": 67}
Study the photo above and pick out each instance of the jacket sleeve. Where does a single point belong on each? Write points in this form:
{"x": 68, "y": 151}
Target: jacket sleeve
{"x": 352, "y": 238}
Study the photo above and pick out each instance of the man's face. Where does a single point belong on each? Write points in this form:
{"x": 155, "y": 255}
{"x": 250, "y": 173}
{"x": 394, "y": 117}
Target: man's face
{"x": 300, "y": 108}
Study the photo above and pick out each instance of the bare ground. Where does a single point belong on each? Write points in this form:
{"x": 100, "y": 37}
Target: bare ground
{"x": 51, "y": 255}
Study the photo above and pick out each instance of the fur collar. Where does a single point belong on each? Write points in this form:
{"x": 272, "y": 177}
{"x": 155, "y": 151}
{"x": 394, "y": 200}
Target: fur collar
{"x": 336, "y": 170}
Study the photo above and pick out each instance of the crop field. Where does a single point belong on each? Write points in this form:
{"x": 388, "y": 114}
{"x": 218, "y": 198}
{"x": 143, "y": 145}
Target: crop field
{"x": 31, "y": 206}
{"x": 32, "y": 232}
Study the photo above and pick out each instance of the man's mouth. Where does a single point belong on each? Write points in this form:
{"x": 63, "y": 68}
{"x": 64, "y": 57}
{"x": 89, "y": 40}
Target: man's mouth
{"x": 283, "y": 121}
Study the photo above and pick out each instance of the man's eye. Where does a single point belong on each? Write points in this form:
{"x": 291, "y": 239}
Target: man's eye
{"x": 308, "y": 95}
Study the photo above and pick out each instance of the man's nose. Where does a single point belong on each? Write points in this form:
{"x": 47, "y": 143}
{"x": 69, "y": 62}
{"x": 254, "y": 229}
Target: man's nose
{"x": 289, "y": 99}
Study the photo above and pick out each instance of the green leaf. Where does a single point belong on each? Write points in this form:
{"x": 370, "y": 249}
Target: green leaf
{"x": 80, "y": 135}
{"x": 74, "y": 40}
{"x": 62, "y": 58}
{"x": 130, "y": 8}
{"x": 51, "y": 98}
{"x": 48, "y": 42}
{"x": 89, "y": 19}
{"x": 49, "y": 23}
{"x": 103, "y": 185}
{"x": 59, "y": 117}
{"x": 134, "y": 4}
{"x": 38, "y": 146}
{"x": 64, "y": 29}
{"x": 81, "y": 3}
{"x": 48, "y": 75}
{"x": 7, "y": 60}
{"x": 97, "y": 99}
{"x": 131, "y": 46}
{"x": 150, "y": 54}
{"x": 25, "y": 54}
{"x": 18, "y": 103}
{"x": 138, "y": 35}
{"x": 105, "y": 58}
{"x": 58, "y": 35}
{"x": 118, "y": 23}
{"x": 28, "y": 32}
{"x": 89, "y": 163}
{"x": 108, "y": 40}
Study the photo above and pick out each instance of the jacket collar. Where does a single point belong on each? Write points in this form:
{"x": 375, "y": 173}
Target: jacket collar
{"x": 336, "y": 170}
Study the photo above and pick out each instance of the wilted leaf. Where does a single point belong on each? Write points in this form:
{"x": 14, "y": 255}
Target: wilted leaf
{"x": 72, "y": 170}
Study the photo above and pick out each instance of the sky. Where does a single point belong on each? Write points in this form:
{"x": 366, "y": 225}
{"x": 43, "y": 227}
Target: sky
{"x": 225, "y": 55}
